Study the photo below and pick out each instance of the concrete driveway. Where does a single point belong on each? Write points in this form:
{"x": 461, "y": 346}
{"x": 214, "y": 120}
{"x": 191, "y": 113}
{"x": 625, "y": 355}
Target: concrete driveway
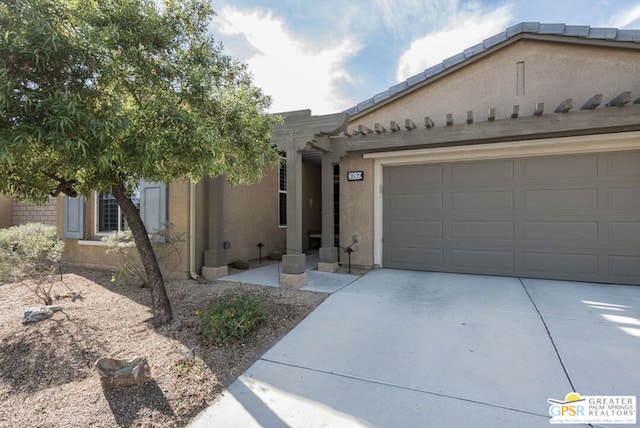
{"x": 413, "y": 349}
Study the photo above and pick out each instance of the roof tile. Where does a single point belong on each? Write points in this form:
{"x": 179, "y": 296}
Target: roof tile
{"x": 576, "y": 30}
{"x": 416, "y": 79}
{"x": 398, "y": 88}
{"x": 381, "y": 96}
{"x": 456, "y": 59}
{"x": 473, "y": 50}
{"x": 551, "y": 29}
{"x": 628, "y": 36}
{"x": 602, "y": 33}
{"x": 494, "y": 40}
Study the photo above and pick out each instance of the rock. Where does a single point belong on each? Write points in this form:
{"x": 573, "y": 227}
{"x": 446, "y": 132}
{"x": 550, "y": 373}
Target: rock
{"x": 114, "y": 373}
{"x": 39, "y": 313}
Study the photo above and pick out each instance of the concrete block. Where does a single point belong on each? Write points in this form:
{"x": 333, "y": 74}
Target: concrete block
{"x": 213, "y": 273}
{"x": 328, "y": 267}
{"x": 293, "y": 281}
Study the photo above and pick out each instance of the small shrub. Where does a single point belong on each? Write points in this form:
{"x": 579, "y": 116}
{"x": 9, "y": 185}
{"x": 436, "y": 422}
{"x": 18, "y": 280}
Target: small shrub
{"x": 240, "y": 264}
{"x": 276, "y": 255}
{"x": 231, "y": 317}
{"x": 31, "y": 251}
{"x": 167, "y": 246}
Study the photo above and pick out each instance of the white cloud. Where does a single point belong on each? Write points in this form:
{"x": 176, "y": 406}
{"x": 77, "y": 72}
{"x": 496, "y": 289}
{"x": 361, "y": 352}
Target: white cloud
{"x": 463, "y": 30}
{"x": 296, "y": 75}
{"x": 629, "y": 18}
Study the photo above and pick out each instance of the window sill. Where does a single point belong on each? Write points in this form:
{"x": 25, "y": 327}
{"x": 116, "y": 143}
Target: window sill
{"x": 92, "y": 243}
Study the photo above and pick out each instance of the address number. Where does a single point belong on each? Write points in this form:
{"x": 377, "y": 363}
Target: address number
{"x": 355, "y": 176}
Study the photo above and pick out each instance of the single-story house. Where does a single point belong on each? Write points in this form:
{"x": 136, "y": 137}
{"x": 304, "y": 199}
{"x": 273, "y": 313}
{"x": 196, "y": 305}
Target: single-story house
{"x": 519, "y": 156}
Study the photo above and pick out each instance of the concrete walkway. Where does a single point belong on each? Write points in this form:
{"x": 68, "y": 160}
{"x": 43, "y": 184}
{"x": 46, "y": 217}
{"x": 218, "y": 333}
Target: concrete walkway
{"x": 269, "y": 275}
{"x": 413, "y": 349}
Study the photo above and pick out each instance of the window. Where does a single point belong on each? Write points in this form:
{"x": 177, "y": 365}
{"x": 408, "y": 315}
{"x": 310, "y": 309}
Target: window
{"x": 150, "y": 199}
{"x": 282, "y": 194}
{"x": 109, "y": 217}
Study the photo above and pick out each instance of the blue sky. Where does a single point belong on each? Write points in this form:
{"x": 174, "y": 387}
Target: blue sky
{"x": 328, "y": 55}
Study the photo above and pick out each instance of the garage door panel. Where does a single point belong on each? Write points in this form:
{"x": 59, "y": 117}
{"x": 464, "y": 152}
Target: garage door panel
{"x": 415, "y": 230}
{"x": 624, "y": 267}
{"x": 626, "y": 231}
{"x": 624, "y": 164}
{"x": 485, "y": 200}
{"x": 478, "y": 172}
{"x": 416, "y": 204}
{"x": 413, "y": 176}
{"x": 417, "y": 258}
{"x": 561, "y": 199}
{"x": 486, "y": 260}
{"x": 561, "y": 168}
{"x": 565, "y": 264}
{"x": 624, "y": 198}
{"x": 500, "y": 230}
{"x": 561, "y": 231}
{"x": 573, "y": 217}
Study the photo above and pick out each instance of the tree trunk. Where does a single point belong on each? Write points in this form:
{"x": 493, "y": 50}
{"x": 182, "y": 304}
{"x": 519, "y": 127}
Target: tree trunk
{"x": 160, "y": 301}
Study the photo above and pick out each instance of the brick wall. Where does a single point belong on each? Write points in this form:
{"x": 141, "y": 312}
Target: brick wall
{"x": 27, "y": 212}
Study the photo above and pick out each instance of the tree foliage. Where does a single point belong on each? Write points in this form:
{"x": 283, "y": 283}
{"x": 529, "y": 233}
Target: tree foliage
{"x": 97, "y": 94}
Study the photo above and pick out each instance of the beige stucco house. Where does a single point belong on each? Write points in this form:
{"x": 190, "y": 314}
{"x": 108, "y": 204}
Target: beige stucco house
{"x": 519, "y": 156}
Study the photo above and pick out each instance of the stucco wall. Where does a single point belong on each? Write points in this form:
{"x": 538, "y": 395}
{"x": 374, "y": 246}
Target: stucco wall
{"x": 356, "y": 210}
{"x": 6, "y": 211}
{"x": 251, "y": 216}
{"x": 553, "y": 72}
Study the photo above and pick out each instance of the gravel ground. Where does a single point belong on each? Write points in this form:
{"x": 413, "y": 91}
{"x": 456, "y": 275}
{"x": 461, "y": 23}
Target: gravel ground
{"x": 47, "y": 374}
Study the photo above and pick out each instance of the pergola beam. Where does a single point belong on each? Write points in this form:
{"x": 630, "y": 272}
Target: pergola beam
{"x": 581, "y": 122}
{"x": 428, "y": 123}
{"x": 565, "y": 106}
{"x": 621, "y": 100}
{"x": 593, "y": 102}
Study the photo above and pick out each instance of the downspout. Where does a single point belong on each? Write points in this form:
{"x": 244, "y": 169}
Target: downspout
{"x": 192, "y": 231}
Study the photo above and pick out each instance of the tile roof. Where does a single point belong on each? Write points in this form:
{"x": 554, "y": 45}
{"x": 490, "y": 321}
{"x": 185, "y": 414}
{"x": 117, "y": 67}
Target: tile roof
{"x": 563, "y": 30}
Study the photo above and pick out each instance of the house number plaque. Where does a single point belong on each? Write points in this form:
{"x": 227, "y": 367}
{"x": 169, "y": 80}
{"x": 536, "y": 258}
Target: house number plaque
{"x": 355, "y": 176}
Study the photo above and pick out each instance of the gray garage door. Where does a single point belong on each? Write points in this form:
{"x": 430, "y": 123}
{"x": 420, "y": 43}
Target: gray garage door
{"x": 565, "y": 217}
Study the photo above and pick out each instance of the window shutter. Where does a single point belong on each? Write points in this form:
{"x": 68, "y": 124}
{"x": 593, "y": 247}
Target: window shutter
{"x": 153, "y": 205}
{"x": 73, "y": 217}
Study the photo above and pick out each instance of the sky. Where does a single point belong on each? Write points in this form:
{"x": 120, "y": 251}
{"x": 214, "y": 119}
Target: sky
{"x": 329, "y": 55}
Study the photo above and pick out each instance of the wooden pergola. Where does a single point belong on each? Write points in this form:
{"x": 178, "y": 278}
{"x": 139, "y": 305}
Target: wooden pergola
{"x": 299, "y": 132}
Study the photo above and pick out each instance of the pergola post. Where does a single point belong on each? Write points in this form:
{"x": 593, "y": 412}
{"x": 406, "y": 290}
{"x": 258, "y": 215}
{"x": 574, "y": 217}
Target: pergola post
{"x": 328, "y": 260}
{"x": 294, "y": 262}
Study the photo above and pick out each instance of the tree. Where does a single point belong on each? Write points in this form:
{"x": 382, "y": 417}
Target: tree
{"x": 99, "y": 94}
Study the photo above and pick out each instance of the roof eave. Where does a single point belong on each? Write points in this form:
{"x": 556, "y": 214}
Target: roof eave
{"x": 419, "y": 81}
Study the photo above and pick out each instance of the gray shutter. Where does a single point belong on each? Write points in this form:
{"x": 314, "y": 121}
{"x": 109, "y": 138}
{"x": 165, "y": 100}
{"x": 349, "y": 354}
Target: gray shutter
{"x": 153, "y": 205}
{"x": 74, "y": 217}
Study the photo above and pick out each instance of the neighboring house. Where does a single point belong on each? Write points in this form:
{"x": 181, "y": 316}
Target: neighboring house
{"x": 6, "y": 211}
{"x": 13, "y": 213}
{"x": 519, "y": 156}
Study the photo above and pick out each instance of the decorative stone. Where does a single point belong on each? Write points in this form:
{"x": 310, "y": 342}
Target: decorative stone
{"x": 114, "y": 373}
{"x": 39, "y": 313}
